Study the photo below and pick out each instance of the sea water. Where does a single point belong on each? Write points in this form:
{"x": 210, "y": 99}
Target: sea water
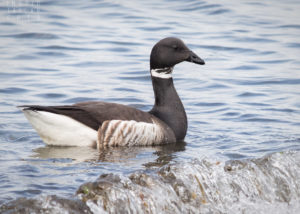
{"x": 241, "y": 152}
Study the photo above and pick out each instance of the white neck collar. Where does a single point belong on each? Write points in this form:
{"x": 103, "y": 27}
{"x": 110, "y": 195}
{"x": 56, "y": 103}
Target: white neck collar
{"x": 165, "y": 73}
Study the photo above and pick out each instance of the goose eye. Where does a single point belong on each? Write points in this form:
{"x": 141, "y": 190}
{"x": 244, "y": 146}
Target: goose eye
{"x": 175, "y": 47}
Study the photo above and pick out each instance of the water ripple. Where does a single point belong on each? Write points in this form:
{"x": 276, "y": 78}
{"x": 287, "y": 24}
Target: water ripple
{"x": 199, "y": 6}
{"x": 243, "y": 104}
{"x": 209, "y": 104}
{"x": 45, "y": 36}
{"x": 246, "y": 67}
{"x": 251, "y": 94}
{"x": 51, "y": 54}
{"x": 224, "y": 48}
{"x": 293, "y": 45}
{"x": 13, "y": 90}
{"x": 219, "y": 11}
{"x": 289, "y": 26}
{"x": 275, "y": 61}
{"x": 285, "y": 81}
{"x": 51, "y": 95}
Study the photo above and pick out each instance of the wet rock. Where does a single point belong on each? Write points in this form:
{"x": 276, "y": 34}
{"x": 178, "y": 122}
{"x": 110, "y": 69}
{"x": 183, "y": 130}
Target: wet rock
{"x": 48, "y": 204}
{"x": 202, "y": 186}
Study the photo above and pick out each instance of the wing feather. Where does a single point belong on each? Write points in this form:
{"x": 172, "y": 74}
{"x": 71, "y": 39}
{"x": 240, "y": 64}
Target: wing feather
{"x": 93, "y": 114}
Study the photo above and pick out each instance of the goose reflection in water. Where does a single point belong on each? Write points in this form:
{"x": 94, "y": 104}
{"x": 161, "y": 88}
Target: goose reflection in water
{"x": 157, "y": 155}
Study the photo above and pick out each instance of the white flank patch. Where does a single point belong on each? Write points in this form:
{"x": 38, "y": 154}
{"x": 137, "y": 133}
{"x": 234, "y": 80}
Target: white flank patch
{"x": 130, "y": 133}
{"x": 164, "y": 75}
{"x": 60, "y": 130}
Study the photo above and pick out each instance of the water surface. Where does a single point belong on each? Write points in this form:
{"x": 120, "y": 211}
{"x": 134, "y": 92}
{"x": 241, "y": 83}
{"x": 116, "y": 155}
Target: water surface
{"x": 243, "y": 105}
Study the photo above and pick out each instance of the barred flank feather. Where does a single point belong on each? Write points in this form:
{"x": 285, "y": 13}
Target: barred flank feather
{"x": 132, "y": 133}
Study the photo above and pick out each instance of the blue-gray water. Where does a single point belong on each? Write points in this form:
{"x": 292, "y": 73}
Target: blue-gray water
{"x": 242, "y": 147}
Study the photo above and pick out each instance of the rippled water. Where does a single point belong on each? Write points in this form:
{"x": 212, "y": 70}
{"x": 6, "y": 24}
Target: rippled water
{"x": 242, "y": 105}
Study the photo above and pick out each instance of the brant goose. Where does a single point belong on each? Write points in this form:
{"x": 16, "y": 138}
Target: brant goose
{"x": 102, "y": 124}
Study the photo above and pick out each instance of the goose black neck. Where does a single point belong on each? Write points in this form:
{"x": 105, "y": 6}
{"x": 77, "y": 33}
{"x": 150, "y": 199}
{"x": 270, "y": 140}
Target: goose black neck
{"x": 168, "y": 106}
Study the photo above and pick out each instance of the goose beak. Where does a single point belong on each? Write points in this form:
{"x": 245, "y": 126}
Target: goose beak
{"x": 195, "y": 59}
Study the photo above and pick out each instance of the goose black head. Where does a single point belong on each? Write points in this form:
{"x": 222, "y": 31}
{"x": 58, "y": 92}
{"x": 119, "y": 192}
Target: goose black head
{"x": 170, "y": 51}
